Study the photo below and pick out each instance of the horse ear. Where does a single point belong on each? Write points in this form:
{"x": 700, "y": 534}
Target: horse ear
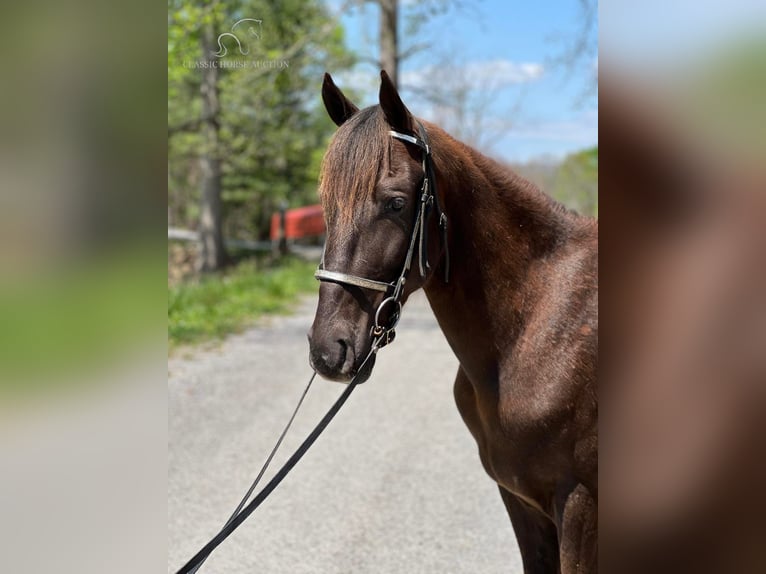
{"x": 397, "y": 114}
{"x": 338, "y": 105}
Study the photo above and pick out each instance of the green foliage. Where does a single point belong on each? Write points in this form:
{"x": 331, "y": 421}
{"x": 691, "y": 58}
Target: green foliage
{"x": 576, "y": 182}
{"x": 217, "y": 305}
{"x": 723, "y": 96}
{"x": 573, "y": 182}
{"x": 72, "y": 322}
{"x": 271, "y": 125}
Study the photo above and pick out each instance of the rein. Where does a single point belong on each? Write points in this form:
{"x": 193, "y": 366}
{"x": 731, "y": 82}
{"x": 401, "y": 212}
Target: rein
{"x": 240, "y": 514}
{"x": 382, "y": 334}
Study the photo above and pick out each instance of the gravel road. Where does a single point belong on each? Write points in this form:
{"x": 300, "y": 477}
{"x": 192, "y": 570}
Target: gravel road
{"x": 394, "y": 485}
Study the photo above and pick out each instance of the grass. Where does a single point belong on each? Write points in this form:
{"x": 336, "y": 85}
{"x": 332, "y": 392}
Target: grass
{"x": 218, "y": 305}
{"x": 61, "y": 323}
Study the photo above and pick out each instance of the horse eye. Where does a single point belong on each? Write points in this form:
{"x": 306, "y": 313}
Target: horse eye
{"x": 395, "y": 204}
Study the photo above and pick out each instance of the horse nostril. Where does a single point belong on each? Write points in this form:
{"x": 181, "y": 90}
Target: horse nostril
{"x": 342, "y": 353}
{"x": 333, "y": 359}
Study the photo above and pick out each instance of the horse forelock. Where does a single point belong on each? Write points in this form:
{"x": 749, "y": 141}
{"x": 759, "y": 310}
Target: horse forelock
{"x": 352, "y": 164}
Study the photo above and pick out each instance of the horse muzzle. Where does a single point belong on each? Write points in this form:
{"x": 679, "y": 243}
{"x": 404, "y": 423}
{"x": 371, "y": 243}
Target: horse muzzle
{"x": 333, "y": 360}
{"x": 338, "y": 360}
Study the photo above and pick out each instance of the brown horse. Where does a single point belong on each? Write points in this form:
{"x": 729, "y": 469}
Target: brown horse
{"x": 518, "y": 305}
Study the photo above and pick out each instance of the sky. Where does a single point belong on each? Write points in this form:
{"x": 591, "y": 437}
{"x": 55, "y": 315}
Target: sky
{"x": 527, "y": 106}
{"x": 651, "y": 33}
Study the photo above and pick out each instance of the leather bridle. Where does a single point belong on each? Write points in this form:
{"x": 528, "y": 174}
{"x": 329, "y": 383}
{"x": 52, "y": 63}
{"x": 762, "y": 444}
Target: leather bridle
{"x": 429, "y": 200}
{"x": 382, "y": 335}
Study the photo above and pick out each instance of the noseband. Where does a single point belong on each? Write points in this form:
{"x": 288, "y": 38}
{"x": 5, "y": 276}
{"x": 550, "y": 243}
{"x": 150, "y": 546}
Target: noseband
{"x": 418, "y": 240}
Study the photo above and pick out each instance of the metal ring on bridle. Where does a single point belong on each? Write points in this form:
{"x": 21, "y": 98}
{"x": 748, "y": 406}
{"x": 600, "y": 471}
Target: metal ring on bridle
{"x": 378, "y": 328}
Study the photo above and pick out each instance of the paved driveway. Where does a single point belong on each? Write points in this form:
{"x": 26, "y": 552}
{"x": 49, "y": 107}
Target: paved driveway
{"x": 394, "y": 485}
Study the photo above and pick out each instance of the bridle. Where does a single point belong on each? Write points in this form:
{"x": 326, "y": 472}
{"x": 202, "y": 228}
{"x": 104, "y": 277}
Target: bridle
{"x": 382, "y": 335}
{"x": 418, "y": 240}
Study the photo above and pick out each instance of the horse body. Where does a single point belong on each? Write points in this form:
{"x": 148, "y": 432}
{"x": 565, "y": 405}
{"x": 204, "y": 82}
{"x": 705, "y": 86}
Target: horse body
{"x": 519, "y": 311}
{"x": 521, "y": 316}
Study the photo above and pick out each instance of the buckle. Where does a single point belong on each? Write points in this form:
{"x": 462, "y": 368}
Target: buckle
{"x": 386, "y": 337}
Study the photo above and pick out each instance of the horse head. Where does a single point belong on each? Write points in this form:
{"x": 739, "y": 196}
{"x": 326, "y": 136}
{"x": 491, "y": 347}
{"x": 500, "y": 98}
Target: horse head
{"x": 370, "y": 188}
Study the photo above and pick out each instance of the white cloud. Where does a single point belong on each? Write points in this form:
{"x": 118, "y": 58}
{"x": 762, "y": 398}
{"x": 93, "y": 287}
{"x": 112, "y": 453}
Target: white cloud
{"x": 582, "y": 129}
{"x": 504, "y": 72}
{"x": 477, "y": 75}
{"x": 496, "y": 73}
{"x": 356, "y": 79}
{"x": 360, "y": 82}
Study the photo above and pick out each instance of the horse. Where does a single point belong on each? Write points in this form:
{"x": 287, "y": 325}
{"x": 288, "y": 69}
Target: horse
{"x": 511, "y": 276}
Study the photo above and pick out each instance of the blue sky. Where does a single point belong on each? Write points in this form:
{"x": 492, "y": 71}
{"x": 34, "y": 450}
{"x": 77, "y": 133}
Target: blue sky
{"x": 527, "y": 107}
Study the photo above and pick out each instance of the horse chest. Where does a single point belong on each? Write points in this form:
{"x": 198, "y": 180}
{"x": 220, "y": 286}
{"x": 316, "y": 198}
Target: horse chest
{"x": 523, "y": 445}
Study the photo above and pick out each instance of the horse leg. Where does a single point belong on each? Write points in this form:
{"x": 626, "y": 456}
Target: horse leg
{"x": 579, "y": 533}
{"x": 535, "y": 534}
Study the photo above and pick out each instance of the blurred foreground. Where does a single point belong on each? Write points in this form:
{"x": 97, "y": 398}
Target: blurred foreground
{"x": 683, "y": 283}
{"x": 82, "y": 287}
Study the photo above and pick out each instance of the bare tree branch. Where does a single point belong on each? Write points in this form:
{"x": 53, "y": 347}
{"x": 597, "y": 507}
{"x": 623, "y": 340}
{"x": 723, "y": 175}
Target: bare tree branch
{"x": 582, "y": 49}
{"x": 414, "y": 49}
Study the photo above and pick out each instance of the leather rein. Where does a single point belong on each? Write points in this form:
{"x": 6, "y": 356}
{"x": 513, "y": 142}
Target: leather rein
{"x": 382, "y": 335}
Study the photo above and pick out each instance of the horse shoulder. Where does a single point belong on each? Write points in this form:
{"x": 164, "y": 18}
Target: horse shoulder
{"x": 547, "y": 378}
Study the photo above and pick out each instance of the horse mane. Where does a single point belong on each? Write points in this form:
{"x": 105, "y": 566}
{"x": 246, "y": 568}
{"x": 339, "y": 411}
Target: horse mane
{"x": 361, "y": 147}
{"x": 527, "y": 205}
{"x": 352, "y": 163}
{"x": 525, "y": 189}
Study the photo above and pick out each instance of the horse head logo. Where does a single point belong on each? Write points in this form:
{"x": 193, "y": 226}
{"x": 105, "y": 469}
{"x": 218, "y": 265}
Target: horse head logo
{"x": 254, "y": 30}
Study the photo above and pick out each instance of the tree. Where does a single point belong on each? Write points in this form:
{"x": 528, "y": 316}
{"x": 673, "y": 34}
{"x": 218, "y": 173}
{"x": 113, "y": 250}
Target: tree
{"x": 191, "y": 25}
{"x": 460, "y": 102}
{"x": 391, "y": 52}
{"x": 213, "y": 254}
{"x": 389, "y": 38}
{"x": 576, "y": 183}
{"x": 248, "y": 134}
{"x": 581, "y": 47}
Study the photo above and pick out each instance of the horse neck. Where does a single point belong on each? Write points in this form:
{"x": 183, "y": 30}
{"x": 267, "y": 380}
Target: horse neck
{"x": 501, "y": 229}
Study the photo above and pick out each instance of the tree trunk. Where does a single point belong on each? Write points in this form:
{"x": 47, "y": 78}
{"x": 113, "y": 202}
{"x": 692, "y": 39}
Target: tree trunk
{"x": 389, "y": 36}
{"x": 213, "y": 255}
